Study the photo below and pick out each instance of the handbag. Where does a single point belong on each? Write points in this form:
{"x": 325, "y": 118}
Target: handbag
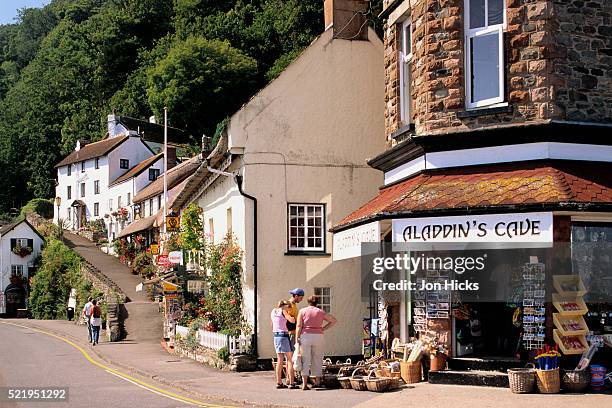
{"x": 297, "y": 357}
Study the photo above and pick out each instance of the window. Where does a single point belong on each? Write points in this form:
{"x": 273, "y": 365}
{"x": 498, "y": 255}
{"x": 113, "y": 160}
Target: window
{"x": 69, "y": 192}
{"x": 159, "y": 202}
{"x": 306, "y": 223}
{"x": 119, "y": 202}
{"x": 229, "y": 220}
{"x": 136, "y": 211}
{"x": 405, "y": 32}
{"x": 124, "y": 163}
{"x": 153, "y": 174}
{"x": 68, "y": 213}
{"x": 484, "y": 23}
{"x": 129, "y": 200}
{"x": 22, "y": 242}
{"x": 150, "y": 207}
{"x": 96, "y": 209}
{"x": 324, "y": 297}
{"x": 82, "y": 167}
{"x": 211, "y": 230}
{"x": 97, "y": 162}
{"x": 17, "y": 270}
{"x": 110, "y": 204}
{"x": 69, "y": 169}
{"x": 82, "y": 189}
{"x": 97, "y": 187}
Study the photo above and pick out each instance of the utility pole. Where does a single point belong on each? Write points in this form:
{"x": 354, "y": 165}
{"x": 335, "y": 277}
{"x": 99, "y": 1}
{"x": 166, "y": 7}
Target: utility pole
{"x": 165, "y": 168}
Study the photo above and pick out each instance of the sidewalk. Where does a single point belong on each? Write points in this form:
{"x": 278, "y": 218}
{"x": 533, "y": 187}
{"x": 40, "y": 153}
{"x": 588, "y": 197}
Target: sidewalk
{"x": 151, "y": 361}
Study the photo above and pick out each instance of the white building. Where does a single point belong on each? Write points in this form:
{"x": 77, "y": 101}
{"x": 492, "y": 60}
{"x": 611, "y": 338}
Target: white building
{"x": 20, "y": 244}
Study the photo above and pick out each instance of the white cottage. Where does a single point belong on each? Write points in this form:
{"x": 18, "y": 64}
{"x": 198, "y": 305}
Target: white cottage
{"x": 20, "y": 244}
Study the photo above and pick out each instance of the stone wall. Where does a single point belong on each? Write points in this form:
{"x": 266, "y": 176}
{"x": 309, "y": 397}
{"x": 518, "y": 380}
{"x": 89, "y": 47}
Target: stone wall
{"x": 210, "y": 358}
{"x": 558, "y": 59}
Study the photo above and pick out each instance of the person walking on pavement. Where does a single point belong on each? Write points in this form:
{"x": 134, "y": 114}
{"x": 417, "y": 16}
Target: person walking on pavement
{"x": 280, "y": 317}
{"x": 297, "y": 295}
{"x": 96, "y": 321}
{"x": 86, "y": 315}
{"x": 309, "y": 337}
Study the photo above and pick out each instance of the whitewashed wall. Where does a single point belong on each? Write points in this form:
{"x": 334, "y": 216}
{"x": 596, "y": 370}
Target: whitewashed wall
{"x": 8, "y": 258}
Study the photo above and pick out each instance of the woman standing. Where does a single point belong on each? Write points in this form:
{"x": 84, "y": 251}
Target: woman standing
{"x": 309, "y": 336}
{"x": 280, "y": 316}
{"x": 96, "y": 321}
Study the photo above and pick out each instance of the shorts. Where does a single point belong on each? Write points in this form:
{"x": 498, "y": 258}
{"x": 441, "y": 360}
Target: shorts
{"x": 282, "y": 344}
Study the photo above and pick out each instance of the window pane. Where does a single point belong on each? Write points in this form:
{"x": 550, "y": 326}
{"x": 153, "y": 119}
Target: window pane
{"x": 311, "y": 242}
{"x": 300, "y": 242}
{"x": 496, "y": 12}
{"x": 477, "y": 13}
{"x": 293, "y": 242}
{"x": 318, "y": 243}
{"x": 311, "y": 210}
{"x": 407, "y": 41}
{"x": 300, "y": 222}
{"x": 292, "y": 210}
{"x": 300, "y": 211}
{"x": 318, "y": 211}
{"x": 311, "y": 221}
{"x": 485, "y": 67}
{"x": 317, "y": 221}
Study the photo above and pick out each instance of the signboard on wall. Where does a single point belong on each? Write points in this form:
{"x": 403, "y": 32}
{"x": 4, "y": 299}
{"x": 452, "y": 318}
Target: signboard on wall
{"x": 347, "y": 244}
{"x": 173, "y": 222}
{"x": 498, "y": 228}
{"x": 176, "y": 257}
{"x": 162, "y": 260}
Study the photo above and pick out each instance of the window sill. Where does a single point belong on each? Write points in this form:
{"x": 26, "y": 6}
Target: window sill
{"x": 402, "y": 131}
{"x": 307, "y": 253}
{"x": 485, "y": 111}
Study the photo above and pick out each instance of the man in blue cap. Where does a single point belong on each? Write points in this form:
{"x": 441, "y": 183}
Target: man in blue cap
{"x": 297, "y": 295}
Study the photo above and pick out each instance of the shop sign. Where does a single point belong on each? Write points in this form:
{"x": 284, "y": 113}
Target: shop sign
{"x": 176, "y": 257}
{"x": 162, "y": 260}
{"x": 521, "y": 227}
{"x": 154, "y": 249}
{"x": 173, "y": 222}
{"x": 347, "y": 244}
{"x": 169, "y": 287}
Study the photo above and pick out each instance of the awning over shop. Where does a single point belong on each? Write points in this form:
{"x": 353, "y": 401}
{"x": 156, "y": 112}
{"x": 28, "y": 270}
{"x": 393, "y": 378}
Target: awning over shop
{"x": 137, "y": 226}
{"x": 520, "y": 186}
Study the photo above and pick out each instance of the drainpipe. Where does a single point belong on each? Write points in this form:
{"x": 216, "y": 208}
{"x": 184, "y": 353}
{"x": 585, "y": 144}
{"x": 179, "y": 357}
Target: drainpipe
{"x": 239, "y": 180}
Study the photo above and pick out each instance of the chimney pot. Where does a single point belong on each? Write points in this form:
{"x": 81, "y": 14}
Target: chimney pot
{"x": 347, "y": 18}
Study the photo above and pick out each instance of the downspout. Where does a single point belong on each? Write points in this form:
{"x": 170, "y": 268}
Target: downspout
{"x": 239, "y": 180}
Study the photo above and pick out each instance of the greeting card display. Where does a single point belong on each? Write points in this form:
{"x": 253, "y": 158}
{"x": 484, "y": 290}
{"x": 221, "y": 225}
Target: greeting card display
{"x": 570, "y": 325}
{"x": 534, "y": 312}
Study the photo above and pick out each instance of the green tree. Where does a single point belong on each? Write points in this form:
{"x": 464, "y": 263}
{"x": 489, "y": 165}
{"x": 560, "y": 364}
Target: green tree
{"x": 192, "y": 228}
{"x": 199, "y": 80}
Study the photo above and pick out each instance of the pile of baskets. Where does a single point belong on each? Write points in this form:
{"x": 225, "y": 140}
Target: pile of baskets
{"x": 379, "y": 377}
{"x": 525, "y": 380}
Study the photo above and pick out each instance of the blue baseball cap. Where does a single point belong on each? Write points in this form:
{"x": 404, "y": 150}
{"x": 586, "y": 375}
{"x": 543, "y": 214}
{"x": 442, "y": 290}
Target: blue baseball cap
{"x": 297, "y": 292}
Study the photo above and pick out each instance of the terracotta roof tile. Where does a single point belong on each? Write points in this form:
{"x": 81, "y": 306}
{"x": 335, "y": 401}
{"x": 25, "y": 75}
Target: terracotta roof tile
{"x": 175, "y": 176}
{"x": 510, "y": 184}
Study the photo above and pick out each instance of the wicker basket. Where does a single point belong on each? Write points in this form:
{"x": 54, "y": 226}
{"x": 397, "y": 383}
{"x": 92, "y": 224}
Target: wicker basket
{"x": 344, "y": 379}
{"x": 378, "y": 384}
{"x": 411, "y": 371}
{"x": 576, "y": 380}
{"x": 521, "y": 380}
{"x": 385, "y": 370}
{"x": 548, "y": 381}
{"x": 358, "y": 382}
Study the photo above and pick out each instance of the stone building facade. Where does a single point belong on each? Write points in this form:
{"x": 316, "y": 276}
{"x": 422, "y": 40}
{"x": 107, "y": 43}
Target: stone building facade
{"x": 557, "y": 60}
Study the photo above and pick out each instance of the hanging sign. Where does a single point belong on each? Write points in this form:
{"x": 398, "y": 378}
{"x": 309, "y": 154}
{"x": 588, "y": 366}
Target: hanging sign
{"x": 520, "y": 227}
{"x": 162, "y": 260}
{"x": 154, "y": 249}
{"x": 176, "y": 257}
{"x": 173, "y": 222}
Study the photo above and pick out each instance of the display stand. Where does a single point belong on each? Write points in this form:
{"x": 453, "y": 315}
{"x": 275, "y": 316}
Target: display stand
{"x": 570, "y": 325}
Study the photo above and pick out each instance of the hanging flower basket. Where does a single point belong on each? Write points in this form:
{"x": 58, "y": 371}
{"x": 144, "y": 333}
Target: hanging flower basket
{"x": 22, "y": 251}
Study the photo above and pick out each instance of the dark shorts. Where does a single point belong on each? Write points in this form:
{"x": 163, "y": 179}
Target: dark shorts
{"x": 282, "y": 344}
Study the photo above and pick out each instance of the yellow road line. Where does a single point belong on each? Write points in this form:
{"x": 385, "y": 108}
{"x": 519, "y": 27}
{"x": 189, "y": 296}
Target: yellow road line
{"x": 150, "y": 387}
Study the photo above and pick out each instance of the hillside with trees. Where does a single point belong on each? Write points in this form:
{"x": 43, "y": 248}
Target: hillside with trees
{"x": 65, "y": 67}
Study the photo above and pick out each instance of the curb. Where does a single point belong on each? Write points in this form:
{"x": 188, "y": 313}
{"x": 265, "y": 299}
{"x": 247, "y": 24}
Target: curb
{"x": 212, "y": 398}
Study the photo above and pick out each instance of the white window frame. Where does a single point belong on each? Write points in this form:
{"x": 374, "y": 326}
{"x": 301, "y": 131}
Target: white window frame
{"x": 96, "y": 209}
{"x": 83, "y": 166}
{"x": 405, "y": 57}
{"x": 17, "y": 270}
{"x": 110, "y": 204}
{"x": 325, "y": 300}
{"x": 96, "y": 186}
{"x": 306, "y": 247}
{"x": 22, "y": 242}
{"x": 471, "y": 33}
{"x": 83, "y": 189}
{"x": 150, "y": 207}
{"x": 69, "y": 192}
{"x": 119, "y": 202}
{"x": 69, "y": 171}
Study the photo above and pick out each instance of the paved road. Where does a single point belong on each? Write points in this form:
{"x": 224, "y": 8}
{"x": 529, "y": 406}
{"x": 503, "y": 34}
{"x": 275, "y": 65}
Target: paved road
{"x": 33, "y": 359}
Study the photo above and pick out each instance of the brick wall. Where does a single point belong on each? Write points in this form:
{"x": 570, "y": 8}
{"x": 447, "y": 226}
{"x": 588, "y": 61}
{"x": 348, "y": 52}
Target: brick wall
{"x": 557, "y": 56}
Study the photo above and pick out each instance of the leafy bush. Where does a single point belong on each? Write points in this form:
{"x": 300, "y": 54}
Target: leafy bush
{"x": 40, "y": 206}
{"x": 192, "y": 229}
{"x": 143, "y": 265}
{"x": 223, "y": 354}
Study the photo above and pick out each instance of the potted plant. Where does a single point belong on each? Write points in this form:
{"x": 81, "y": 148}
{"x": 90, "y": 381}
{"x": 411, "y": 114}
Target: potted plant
{"x": 22, "y": 251}
{"x": 438, "y": 352}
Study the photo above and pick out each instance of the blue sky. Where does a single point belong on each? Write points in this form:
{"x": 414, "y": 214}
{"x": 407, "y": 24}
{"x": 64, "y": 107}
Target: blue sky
{"x": 8, "y": 8}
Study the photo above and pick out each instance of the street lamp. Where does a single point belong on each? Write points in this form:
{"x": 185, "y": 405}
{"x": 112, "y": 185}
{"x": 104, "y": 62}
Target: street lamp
{"x": 58, "y": 202}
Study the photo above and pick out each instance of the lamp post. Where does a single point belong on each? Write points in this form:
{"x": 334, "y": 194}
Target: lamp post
{"x": 58, "y": 203}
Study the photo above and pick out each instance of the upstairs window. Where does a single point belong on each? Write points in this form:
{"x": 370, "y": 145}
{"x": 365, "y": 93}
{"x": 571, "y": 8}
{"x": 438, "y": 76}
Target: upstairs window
{"x": 96, "y": 209}
{"x": 124, "y": 163}
{"x": 82, "y": 167}
{"x": 69, "y": 192}
{"x": 69, "y": 169}
{"x": 405, "y": 59}
{"x": 97, "y": 162}
{"x": 97, "y": 187}
{"x": 153, "y": 174}
{"x": 82, "y": 189}
{"x": 484, "y": 24}
{"x": 119, "y": 203}
{"x": 306, "y": 223}
{"x": 110, "y": 204}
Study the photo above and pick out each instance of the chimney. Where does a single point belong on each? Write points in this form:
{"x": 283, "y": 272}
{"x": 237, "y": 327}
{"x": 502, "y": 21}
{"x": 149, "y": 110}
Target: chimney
{"x": 113, "y": 122}
{"x": 171, "y": 156}
{"x": 347, "y": 18}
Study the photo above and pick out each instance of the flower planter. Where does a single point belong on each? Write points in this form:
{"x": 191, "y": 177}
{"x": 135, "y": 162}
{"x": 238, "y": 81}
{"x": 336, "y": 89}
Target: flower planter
{"x": 437, "y": 362}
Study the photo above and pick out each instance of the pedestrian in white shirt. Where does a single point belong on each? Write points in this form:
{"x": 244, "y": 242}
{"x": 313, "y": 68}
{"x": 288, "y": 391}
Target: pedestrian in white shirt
{"x": 86, "y": 314}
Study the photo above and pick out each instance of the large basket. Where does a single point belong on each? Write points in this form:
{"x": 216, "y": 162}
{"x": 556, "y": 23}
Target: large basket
{"x": 378, "y": 384}
{"x": 548, "y": 381}
{"x": 411, "y": 371}
{"x": 521, "y": 380}
{"x": 344, "y": 379}
{"x": 576, "y": 380}
{"x": 386, "y": 369}
{"x": 358, "y": 382}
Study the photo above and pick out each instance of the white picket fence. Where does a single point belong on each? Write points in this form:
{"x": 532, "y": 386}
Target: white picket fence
{"x": 216, "y": 341}
{"x": 194, "y": 261}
